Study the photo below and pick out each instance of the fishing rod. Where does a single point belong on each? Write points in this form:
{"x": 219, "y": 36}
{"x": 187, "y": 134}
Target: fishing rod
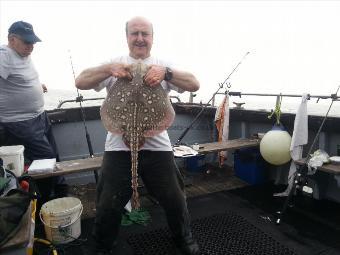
{"x": 83, "y": 117}
{"x": 300, "y": 176}
{"x": 220, "y": 86}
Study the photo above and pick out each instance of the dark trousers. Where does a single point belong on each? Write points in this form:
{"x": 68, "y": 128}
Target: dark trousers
{"x": 35, "y": 134}
{"x": 163, "y": 181}
{"x": 37, "y": 137}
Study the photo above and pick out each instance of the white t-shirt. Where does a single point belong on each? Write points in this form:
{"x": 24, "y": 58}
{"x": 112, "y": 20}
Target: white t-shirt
{"x": 21, "y": 94}
{"x": 160, "y": 142}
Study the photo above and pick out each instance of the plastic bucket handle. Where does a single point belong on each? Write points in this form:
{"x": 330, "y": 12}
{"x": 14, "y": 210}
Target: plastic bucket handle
{"x": 57, "y": 227}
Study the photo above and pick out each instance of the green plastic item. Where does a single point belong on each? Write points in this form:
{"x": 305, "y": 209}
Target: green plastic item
{"x": 138, "y": 216}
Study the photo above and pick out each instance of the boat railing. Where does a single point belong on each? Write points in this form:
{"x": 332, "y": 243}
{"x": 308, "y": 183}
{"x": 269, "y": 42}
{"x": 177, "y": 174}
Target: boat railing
{"x": 80, "y": 98}
{"x": 175, "y": 97}
{"x": 309, "y": 96}
{"x": 334, "y": 97}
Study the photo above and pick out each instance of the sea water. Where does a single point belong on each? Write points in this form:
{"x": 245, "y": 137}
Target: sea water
{"x": 288, "y": 105}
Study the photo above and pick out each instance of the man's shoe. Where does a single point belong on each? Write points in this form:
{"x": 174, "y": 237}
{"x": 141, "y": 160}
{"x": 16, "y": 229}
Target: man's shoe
{"x": 92, "y": 248}
{"x": 187, "y": 246}
{"x": 102, "y": 252}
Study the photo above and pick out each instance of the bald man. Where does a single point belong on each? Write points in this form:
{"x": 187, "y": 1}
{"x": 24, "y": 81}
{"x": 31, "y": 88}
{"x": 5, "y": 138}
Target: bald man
{"x": 156, "y": 160}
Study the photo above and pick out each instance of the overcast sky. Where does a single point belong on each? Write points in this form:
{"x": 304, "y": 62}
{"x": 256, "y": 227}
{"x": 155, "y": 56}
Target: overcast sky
{"x": 294, "y": 45}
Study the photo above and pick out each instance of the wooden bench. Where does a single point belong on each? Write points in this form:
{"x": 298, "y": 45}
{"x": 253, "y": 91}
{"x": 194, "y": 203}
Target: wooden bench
{"x": 328, "y": 168}
{"x": 72, "y": 166}
{"x": 93, "y": 164}
{"x": 227, "y": 145}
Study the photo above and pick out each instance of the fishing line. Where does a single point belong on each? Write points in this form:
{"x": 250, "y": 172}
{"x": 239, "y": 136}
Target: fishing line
{"x": 220, "y": 86}
{"x": 83, "y": 117}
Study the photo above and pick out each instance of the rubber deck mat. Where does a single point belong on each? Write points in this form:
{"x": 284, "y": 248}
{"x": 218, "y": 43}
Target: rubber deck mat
{"x": 220, "y": 234}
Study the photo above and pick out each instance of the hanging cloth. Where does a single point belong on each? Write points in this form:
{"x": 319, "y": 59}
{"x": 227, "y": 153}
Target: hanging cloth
{"x": 222, "y": 125}
{"x": 299, "y": 139}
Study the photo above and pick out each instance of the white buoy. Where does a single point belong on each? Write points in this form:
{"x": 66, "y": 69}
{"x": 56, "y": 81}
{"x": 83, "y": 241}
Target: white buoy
{"x": 275, "y": 146}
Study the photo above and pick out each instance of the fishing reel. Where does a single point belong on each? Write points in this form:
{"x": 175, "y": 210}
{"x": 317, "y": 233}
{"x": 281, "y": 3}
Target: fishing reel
{"x": 79, "y": 98}
{"x": 301, "y": 183}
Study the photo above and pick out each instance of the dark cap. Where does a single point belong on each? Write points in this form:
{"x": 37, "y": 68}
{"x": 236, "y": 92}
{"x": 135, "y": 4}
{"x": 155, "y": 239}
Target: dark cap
{"x": 25, "y": 31}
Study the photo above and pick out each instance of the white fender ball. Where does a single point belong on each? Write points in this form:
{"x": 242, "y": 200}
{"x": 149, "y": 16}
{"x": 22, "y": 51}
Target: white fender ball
{"x": 275, "y": 146}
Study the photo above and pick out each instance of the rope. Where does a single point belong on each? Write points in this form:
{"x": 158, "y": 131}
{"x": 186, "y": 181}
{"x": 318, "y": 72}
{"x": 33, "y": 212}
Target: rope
{"x": 51, "y": 247}
{"x": 277, "y": 111}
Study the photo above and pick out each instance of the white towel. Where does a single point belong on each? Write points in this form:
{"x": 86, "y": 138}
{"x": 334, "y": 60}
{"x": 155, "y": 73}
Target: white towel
{"x": 222, "y": 124}
{"x": 225, "y": 134}
{"x": 299, "y": 139}
{"x": 300, "y": 133}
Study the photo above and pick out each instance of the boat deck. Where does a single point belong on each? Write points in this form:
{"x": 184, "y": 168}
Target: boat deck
{"x": 213, "y": 179}
{"x": 228, "y": 217}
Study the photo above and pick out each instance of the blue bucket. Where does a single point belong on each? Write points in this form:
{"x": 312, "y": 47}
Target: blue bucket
{"x": 195, "y": 164}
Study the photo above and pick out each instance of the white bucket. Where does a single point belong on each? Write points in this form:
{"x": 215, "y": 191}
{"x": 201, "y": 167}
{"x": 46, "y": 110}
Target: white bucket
{"x": 13, "y": 158}
{"x": 61, "y": 218}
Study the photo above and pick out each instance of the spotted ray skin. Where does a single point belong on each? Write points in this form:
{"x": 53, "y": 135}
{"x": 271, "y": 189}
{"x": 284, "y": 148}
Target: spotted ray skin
{"x": 136, "y": 111}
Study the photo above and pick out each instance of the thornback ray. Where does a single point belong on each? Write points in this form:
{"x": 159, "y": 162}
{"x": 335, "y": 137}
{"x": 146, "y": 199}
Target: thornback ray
{"x": 136, "y": 111}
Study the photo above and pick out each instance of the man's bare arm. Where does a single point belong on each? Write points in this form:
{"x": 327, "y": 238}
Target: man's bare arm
{"x": 91, "y": 77}
{"x": 181, "y": 79}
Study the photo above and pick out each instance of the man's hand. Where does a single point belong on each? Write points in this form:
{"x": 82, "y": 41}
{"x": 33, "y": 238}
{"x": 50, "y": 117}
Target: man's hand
{"x": 44, "y": 88}
{"x": 120, "y": 70}
{"x": 155, "y": 75}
